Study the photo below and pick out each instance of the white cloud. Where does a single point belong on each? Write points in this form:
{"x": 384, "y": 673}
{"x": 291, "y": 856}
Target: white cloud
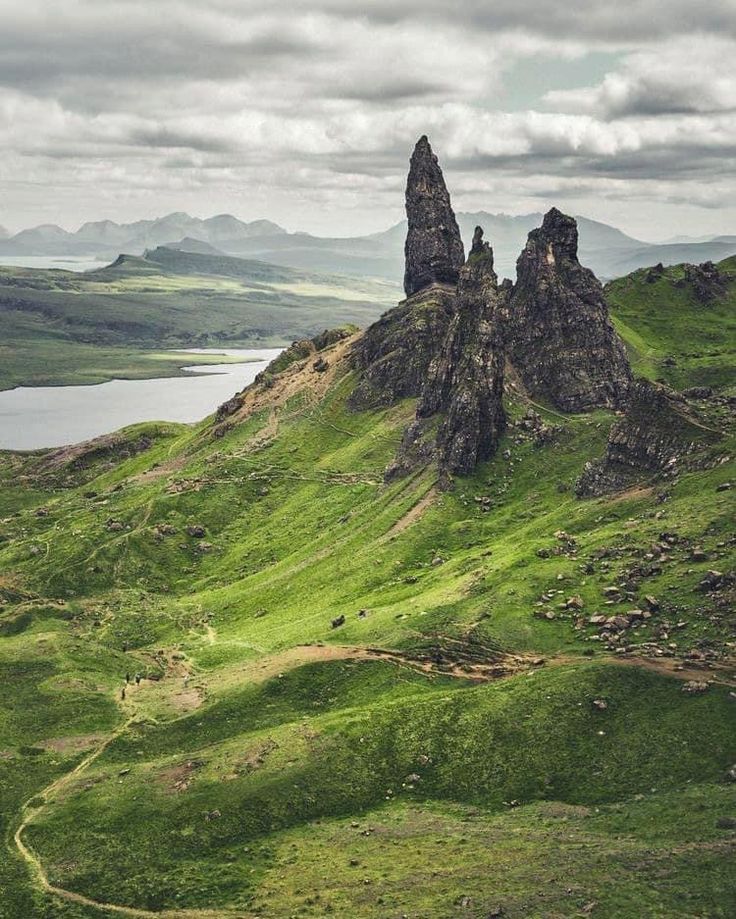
{"x": 306, "y": 112}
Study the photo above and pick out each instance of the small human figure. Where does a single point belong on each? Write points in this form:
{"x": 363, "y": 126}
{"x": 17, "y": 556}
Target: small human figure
{"x": 127, "y": 677}
{"x": 122, "y": 694}
{"x": 137, "y": 679}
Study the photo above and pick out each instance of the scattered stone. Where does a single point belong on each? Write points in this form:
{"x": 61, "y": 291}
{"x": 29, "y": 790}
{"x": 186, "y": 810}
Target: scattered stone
{"x": 726, "y": 823}
{"x": 337, "y": 622}
{"x": 695, "y": 686}
{"x": 600, "y": 704}
{"x": 196, "y": 531}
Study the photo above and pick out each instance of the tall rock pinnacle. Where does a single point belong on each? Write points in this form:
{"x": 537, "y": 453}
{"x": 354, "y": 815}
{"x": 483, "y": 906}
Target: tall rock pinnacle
{"x": 434, "y": 250}
{"x": 559, "y": 335}
{"x": 460, "y": 415}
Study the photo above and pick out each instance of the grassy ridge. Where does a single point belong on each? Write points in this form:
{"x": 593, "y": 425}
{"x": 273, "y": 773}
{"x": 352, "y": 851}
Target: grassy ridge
{"x": 671, "y": 334}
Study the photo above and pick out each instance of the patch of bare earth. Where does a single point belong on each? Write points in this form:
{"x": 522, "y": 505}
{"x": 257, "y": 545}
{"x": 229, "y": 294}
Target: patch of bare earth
{"x": 179, "y": 777}
{"x": 412, "y": 515}
{"x": 300, "y": 377}
{"x": 74, "y": 744}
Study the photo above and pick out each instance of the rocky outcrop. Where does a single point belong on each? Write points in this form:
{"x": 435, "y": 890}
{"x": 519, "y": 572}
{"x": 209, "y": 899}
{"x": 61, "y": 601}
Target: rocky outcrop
{"x": 461, "y": 406}
{"x": 706, "y": 282}
{"x": 656, "y": 433}
{"x": 394, "y": 354}
{"x": 558, "y": 333}
{"x": 434, "y": 249}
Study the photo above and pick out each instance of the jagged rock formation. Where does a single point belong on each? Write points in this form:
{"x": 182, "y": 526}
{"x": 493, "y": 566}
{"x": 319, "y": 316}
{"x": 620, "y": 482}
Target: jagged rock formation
{"x": 558, "y": 333}
{"x": 394, "y": 354}
{"x": 462, "y": 399}
{"x": 434, "y": 249}
{"x": 449, "y": 341}
{"x": 706, "y": 281}
{"x": 656, "y": 432}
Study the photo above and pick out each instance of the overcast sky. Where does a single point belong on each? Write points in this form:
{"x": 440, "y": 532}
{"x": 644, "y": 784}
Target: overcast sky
{"x": 306, "y": 111}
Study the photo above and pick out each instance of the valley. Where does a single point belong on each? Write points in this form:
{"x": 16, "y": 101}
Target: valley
{"x": 62, "y": 327}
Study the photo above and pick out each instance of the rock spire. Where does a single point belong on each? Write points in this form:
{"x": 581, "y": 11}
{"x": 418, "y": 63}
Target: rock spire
{"x": 434, "y": 249}
{"x": 559, "y": 336}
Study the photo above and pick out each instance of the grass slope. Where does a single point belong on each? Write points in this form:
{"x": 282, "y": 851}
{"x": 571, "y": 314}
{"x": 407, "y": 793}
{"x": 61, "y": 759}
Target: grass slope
{"x": 670, "y": 334}
{"x": 269, "y": 764}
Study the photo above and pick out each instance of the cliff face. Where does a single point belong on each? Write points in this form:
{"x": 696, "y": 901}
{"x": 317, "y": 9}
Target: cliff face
{"x": 448, "y": 342}
{"x": 465, "y": 382}
{"x": 558, "y": 333}
{"x": 394, "y": 354}
{"x": 434, "y": 249}
{"x": 657, "y": 431}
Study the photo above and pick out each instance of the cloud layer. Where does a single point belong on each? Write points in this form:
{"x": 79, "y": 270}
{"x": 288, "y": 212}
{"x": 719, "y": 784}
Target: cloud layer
{"x": 306, "y": 112}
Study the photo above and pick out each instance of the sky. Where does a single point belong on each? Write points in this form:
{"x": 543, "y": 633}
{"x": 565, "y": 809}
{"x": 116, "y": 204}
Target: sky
{"x": 305, "y": 112}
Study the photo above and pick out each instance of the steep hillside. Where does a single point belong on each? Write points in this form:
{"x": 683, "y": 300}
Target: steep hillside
{"x": 679, "y": 322}
{"x": 249, "y": 674}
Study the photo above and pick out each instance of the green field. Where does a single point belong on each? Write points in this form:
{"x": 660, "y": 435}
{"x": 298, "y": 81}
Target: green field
{"x": 464, "y": 744}
{"x": 59, "y": 327}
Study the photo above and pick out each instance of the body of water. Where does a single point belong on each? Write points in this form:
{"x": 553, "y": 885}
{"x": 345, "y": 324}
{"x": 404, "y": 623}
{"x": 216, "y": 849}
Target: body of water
{"x": 52, "y": 416}
{"x": 67, "y": 262}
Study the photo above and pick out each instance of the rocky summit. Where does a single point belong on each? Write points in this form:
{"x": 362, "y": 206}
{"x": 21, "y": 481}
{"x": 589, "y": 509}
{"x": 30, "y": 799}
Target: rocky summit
{"x": 559, "y": 336}
{"x": 434, "y": 250}
{"x": 450, "y": 341}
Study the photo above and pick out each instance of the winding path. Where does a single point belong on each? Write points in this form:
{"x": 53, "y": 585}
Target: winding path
{"x": 503, "y": 667}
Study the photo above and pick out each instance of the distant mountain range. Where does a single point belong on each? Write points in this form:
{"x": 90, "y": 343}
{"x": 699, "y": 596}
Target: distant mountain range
{"x": 608, "y": 251}
{"x": 105, "y": 237}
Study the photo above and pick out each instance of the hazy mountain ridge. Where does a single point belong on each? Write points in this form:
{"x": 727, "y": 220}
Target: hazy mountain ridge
{"x": 608, "y": 251}
{"x": 103, "y": 236}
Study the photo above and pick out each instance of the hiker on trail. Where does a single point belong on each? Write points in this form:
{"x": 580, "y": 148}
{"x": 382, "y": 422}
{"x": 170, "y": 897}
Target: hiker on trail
{"x": 122, "y": 694}
{"x": 137, "y": 679}
{"x": 127, "y": 678}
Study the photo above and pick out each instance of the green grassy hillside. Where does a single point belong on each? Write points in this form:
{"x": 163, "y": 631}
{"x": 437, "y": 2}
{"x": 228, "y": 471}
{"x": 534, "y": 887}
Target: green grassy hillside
{"x": 464, "y": 743}
{"x": 671, "y": 334}
{"x": 63, "y": 327}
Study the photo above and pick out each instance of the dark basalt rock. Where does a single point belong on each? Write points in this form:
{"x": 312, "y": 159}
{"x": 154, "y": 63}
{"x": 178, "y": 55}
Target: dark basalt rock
{"x": 706, "y": 281}
{"x": 462, "y": 396}
{"x": 657, "y": 431}
{"x": 558, "y": 333}
{"x": 434, "y": 249}
{"x": 394, "y": 354}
